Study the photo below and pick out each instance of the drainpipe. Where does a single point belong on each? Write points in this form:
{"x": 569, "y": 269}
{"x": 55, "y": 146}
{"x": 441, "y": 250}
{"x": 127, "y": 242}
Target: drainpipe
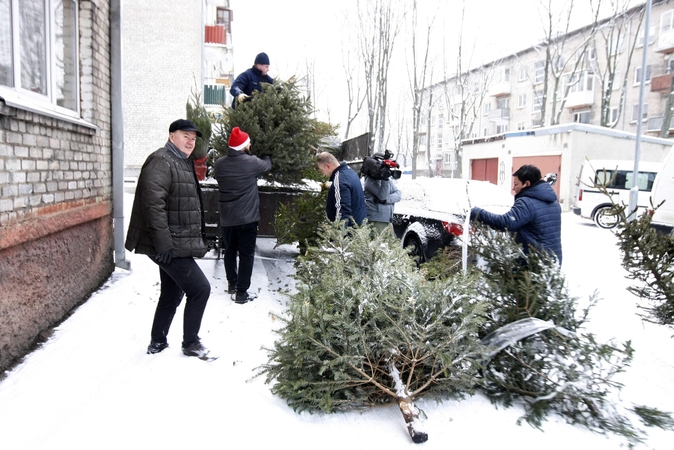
{"x": 117, "y": 126}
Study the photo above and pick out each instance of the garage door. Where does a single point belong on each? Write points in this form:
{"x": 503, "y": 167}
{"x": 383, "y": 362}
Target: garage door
{"x": 484, "y": 170}
{"x": 547, "y": 164}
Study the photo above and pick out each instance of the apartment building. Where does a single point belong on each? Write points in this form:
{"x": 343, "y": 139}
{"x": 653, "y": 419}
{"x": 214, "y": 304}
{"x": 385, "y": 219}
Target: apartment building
{"x": 590, "y": 76}
{"x": 171, "y": 49}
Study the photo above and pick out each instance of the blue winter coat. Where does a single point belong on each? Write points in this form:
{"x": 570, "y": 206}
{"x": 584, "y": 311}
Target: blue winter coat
{"x": 535, "y": 218}
{"x": 380, "y": 196}
{"x": 345, "y": 196}
{"x": 247, "y": 82}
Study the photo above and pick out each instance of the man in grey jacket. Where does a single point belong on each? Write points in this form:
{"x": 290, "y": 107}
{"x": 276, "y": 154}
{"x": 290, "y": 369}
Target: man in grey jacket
{"x": 167, "y": 225}
{"x": 380, "y": 197}
{"x": 239, "y": 203}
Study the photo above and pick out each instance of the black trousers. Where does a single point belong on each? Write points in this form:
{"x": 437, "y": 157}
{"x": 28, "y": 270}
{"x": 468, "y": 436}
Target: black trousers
{"x": 240, "y": 239}
{"x": 181, "y": 277}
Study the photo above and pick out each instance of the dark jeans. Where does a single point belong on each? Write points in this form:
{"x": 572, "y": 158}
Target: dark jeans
{"x": 181, "y": 277}
{"x": 239, "y": 240}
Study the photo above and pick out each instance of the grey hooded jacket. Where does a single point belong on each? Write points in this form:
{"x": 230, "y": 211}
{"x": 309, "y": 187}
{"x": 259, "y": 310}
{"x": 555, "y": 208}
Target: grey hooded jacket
{"x": 380, "y": 196}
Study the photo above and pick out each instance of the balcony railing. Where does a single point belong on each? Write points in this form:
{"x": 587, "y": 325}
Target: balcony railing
{"x": 499, "y": 89}
{"x": 666, "y": 42}
{"x": 655, "y": 124}
{"x": 579, "y": 99}
{"x": 215, "y": 94}
{"x": 499, "y": 115}
{"x": 215, "y": 34}
{"x": 661, "y": 82}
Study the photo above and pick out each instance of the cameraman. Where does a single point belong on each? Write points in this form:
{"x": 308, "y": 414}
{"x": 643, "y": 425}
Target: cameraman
{"x": 380, "y": 196}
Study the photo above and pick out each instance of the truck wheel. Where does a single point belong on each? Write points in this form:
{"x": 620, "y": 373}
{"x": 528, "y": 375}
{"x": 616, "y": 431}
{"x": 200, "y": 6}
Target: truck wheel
{"x": 415, "y": 249}
{"x": 606, "y": 218}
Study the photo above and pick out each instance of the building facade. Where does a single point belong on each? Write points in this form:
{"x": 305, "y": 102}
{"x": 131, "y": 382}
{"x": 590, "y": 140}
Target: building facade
{"x": 589, "y": 76}
{"x": 162, "y": 70}
{"x": 56, "y": 226}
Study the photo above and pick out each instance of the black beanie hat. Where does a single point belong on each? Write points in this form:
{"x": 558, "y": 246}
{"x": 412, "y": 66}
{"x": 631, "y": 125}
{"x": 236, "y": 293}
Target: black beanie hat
{"x": 262, "y": 58}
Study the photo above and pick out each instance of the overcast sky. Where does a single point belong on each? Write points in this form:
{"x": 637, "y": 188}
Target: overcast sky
{"x": 300, "y": 33}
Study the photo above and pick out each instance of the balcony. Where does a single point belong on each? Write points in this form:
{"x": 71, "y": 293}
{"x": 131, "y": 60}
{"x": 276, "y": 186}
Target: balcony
{"x": 215, "y": 34}
{"x": 579, "y": 99}
{"x": 654, "y": 124}
{"x": 215, "y": 94}
{"x": 501, "y": 115}
{"x": 661, "y": 83}
{"x": 499, "y": 89}
{"x": 666, "y": 42}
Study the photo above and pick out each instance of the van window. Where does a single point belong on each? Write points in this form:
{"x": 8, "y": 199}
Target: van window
{"x": 622, "y": 179}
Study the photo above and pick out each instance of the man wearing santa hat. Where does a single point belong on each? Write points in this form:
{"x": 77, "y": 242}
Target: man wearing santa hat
{"x": 239, "y": 202}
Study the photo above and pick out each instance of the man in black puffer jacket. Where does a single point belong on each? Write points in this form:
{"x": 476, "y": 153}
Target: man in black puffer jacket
{"x": 167, "y": 225}
{"x": 536, "y": 216}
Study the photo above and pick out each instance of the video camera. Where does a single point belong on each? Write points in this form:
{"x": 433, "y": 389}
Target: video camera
{"x": 380, "y": 166}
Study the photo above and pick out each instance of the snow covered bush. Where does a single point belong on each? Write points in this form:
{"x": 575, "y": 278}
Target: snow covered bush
{"x": 366, "y": 328}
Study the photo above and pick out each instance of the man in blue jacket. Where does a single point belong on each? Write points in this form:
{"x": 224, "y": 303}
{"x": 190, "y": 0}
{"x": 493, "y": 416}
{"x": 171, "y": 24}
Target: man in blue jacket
{"x": 535, "y": 218}
{"x": 346, "y": 200}
{"x": 251, "y": 80}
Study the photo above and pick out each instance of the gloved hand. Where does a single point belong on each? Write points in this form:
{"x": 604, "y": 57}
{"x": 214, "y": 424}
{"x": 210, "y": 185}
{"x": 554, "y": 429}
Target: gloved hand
{"x": 164, "y": 257}
{"x": 475, "y": 212}
{"x": 241, "y": 97}
{"x": 383, "y": 202}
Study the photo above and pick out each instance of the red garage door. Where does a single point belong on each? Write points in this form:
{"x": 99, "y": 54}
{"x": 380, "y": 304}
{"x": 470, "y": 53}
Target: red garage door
{"x": 485, "y": 170}
{"x": 547, "y": 164}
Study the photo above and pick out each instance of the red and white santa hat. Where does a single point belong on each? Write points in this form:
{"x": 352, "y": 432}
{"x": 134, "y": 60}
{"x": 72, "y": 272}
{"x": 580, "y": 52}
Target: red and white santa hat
{"x": 238, "y": 140}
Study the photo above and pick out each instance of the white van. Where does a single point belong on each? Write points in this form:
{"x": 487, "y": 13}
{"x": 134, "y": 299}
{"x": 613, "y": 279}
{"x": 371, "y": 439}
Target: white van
{"x": 663, "y": 192}
{"x": 590, "y": 203}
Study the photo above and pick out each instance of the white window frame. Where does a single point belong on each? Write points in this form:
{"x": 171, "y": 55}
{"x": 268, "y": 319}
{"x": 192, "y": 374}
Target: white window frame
{"x": 521, "y": 125}
{"x": 537, "y": 102}
{"x": 635, "y": 112}
{"x": 17, "y": 96}
{"x": 613, "y": 115}
{"x": 523, "y": 73}
{"x": 500, "y": 129}
{"x": 651, "y": 36}
{"x": 580, "y": 81}
{"x": 637, "y": 74}
{"x": 539, "y": 72}
{"x": 578, "y": 115}
{"x": 521, "y": 101}
{"x": 667, "y": 21}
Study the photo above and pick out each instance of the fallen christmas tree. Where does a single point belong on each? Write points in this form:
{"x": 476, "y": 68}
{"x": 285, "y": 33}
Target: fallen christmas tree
{"x": 367, "y": 329}
{"x": 559, "y": 367}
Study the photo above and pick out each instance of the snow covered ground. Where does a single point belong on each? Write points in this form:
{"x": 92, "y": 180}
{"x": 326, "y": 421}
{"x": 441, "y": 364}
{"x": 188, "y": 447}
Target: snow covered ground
{"x": 92, "y": 386}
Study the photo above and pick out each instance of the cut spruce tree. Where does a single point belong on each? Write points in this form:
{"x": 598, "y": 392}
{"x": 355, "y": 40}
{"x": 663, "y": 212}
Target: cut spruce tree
{"x": 280, "y": 125}
{"x": 365, "y": 328}
{"x": 561, "y": 368}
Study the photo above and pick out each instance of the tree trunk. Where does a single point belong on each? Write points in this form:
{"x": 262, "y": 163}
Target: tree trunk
{"x": 411, "y": 416}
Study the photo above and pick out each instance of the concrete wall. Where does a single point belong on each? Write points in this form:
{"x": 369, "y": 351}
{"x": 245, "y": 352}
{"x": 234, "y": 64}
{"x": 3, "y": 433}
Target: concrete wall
{"x": 162, "y": 42}
{"x": 573, "y": 142}
{"x": 56, "y": 235}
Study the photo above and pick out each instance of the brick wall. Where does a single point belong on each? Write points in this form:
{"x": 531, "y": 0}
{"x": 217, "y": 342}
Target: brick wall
{"x": 56, "y": 236}
{"x": 161, "y": 50}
